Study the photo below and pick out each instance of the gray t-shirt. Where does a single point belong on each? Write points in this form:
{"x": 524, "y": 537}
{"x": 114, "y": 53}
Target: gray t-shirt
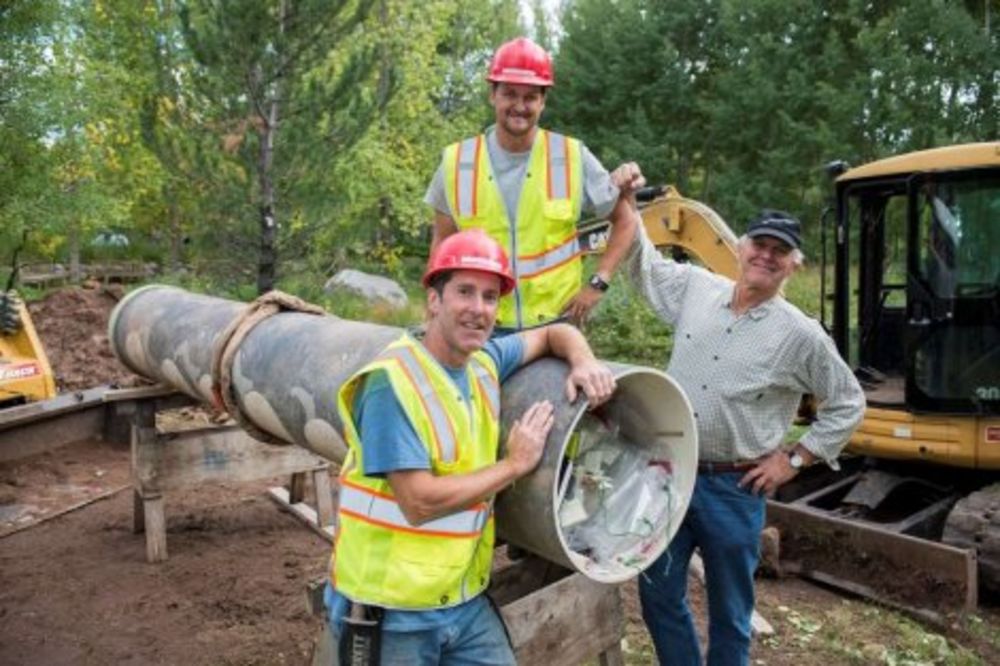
{"x": 599, "y": 194}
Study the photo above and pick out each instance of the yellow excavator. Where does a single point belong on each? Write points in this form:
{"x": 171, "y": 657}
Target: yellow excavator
{"x": 915, "y": 305}
{"x": 25, "y": 372}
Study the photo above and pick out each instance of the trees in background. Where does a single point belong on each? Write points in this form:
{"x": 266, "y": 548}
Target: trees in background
{"x": 741, "y": 104}
{"x": 247, "y": 138}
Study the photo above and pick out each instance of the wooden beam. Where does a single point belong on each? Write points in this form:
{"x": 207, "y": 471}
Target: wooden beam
{"x": 215, "y": 454}
{"x": 303, "y": 512}
{"x": 566, "y": 623}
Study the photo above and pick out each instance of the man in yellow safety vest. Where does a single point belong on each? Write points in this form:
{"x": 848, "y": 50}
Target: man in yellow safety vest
{"x": 527, "y": 187}
{"x": 415, "y": 525}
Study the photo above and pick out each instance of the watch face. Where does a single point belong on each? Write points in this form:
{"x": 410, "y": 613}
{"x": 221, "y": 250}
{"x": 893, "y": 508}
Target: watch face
{"x": 795, "y": 460}
{"x": 598, "y": 283}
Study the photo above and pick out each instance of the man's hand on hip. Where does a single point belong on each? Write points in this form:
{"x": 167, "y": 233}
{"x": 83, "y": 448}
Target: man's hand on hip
{"x": 770, "y": 474}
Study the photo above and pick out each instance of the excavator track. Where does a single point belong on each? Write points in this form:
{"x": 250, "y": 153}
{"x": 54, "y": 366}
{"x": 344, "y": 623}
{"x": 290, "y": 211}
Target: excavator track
{"x": 974, "y": 523}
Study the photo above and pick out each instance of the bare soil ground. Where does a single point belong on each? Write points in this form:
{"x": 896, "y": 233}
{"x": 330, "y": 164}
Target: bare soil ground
{"x": 75, "y": 587}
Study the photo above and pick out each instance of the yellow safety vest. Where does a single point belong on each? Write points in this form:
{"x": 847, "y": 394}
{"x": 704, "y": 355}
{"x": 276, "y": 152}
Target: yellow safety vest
{"x": 543, "y": 246}
{"x": 381, "y": 559}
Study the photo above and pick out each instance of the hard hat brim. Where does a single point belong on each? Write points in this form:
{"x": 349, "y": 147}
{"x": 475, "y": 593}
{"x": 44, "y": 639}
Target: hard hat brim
{"x": 520, "y": 79}
{"x": 507, "y": 283}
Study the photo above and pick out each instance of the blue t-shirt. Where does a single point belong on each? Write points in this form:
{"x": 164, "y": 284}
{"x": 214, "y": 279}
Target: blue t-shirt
{"x": 390, "y": 444}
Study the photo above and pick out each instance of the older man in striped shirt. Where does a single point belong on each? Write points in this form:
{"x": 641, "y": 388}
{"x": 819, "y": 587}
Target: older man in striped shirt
{"x": 745, "y": 356}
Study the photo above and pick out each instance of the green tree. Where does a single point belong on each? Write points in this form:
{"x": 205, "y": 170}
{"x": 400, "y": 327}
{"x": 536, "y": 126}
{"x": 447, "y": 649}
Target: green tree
{"x": 371, "y": 203}
{"x": 740, "y": 104}
{"x": 271, "y": 73}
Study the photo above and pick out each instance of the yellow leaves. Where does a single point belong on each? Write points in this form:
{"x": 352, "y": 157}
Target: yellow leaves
{"x": 232, "y": 142}
{"x": 94, "y": 134}
{"x": 165, "y": 105}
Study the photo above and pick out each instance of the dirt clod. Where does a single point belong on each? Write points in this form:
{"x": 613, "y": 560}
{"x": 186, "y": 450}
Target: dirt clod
{"x": 72, "y": 324}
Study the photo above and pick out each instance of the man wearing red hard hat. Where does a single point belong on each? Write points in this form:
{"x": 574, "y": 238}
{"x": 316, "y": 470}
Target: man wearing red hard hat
{"x": 415, "y": 521}
{"x": 528, "y": 187}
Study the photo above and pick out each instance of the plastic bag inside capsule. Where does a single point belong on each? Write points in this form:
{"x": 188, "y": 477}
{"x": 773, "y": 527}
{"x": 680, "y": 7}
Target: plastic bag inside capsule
{"x": 614, "y": 499}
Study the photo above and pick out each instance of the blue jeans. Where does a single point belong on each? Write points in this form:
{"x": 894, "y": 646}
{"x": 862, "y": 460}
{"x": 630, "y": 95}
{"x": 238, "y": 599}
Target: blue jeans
{"x": 724, "y": 522}
{"x": 473, "y": 635}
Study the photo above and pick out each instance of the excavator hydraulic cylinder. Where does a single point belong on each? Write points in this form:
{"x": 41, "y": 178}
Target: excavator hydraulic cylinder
{"x": 606, "y": 499}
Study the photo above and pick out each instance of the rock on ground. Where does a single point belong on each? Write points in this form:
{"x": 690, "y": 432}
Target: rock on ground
{"x": 370, "y": 287}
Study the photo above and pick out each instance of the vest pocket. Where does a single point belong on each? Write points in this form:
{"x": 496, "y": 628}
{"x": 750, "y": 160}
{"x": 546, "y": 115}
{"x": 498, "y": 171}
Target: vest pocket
{"x": 558, "y": 209}
{"x": 427, "y": 571}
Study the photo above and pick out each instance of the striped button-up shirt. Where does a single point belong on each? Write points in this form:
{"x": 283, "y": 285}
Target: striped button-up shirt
{"x": 745, "y": 374}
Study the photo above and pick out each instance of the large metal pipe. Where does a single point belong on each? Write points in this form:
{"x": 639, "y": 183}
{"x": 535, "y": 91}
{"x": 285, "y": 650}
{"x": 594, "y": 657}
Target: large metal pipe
{"x": 288, "y": 369}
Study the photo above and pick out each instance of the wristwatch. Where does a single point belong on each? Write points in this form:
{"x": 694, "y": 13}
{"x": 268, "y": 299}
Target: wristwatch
{"x": 796, "y": 460}
{"x": 598, "y": 283}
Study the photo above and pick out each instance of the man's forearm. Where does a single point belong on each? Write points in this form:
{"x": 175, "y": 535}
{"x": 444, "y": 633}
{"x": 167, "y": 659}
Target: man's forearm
{"x": 423, "y": 496}
{"x": 568, "y": 343}
{"x": 623, "y": 224}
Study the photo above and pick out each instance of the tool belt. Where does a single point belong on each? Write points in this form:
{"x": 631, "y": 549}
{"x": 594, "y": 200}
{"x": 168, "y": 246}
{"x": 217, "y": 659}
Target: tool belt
{"x": 361, "y": 639}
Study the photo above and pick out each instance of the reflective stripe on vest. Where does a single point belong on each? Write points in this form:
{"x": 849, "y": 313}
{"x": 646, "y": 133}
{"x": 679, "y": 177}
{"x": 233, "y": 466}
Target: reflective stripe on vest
{"x": 488, "y": 385}
{"x": 466, "y": 176}
{"x": 557, "y": 185}
{"x": 444, "y": 431}
{"x": 540, "y": 236}
{"x": 557, "y": 150}
{"x": 530, "y": 266}
{"x": 366, "y": 504}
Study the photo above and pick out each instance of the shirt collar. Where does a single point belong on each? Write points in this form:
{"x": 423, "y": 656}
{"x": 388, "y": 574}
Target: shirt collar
{"x": 757, "y": 312}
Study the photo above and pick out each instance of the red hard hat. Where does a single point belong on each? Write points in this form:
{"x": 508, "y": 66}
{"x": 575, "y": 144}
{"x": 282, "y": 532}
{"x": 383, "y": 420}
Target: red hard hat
{"x": 521, "y": 61}
{"x": 471, "y": 250}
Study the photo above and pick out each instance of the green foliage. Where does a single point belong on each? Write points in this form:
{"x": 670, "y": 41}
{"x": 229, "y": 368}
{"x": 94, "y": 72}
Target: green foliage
{"x": 155, "y": 117}
{"x": 375, "y": 190}
{"x": 741, "y": 104}
{"x": 623, "y": 328}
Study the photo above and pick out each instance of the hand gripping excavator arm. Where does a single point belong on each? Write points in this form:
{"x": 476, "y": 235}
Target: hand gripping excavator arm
{"x": 673, "y": 221}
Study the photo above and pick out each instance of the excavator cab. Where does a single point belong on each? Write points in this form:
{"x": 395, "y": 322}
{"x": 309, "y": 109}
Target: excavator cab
{"x": 917, "y": 298}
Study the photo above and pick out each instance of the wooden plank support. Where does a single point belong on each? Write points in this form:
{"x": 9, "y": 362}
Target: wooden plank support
{"x": 555, "y": 617}
{"x": 324, "y": 498}
{"x": 225, "y": 453}
{"x": 303, "y": 512}
{"x": 42, "y": 426}
{"x": 297, "y": 488}
{"x": 893, "y": 564}
{"x": 163, "y": 462}
{"x": 155, "y": 519}
{"x": 565, "y": 622}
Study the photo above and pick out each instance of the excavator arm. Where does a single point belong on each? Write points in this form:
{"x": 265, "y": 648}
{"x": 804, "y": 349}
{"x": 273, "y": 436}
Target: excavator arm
{"x": 673, "y": 221}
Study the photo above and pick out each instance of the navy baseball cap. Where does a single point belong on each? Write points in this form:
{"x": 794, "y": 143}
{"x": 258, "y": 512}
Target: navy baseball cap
{"x": 778, "y": 224}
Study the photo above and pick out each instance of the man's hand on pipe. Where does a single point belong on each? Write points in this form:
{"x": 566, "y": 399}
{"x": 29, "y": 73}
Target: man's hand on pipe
{"x": 593, "y": 378}
{"x": 527, "y": 436}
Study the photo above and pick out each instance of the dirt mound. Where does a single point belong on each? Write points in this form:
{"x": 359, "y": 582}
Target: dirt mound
{"x": 73, "y": 326}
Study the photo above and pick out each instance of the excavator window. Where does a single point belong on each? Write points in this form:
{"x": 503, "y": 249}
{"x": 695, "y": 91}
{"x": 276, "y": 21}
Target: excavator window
{"x": 955, "y": 317}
